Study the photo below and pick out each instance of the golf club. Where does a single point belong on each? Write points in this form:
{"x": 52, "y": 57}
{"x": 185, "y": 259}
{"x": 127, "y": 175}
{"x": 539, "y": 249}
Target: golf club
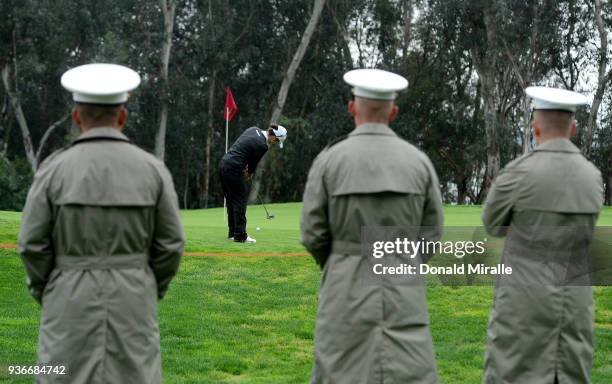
{"x": 268, "y": 216}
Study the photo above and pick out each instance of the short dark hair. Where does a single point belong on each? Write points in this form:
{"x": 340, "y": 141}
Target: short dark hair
{"x": 97, "y": 113}
{"x": 271, "y": 129}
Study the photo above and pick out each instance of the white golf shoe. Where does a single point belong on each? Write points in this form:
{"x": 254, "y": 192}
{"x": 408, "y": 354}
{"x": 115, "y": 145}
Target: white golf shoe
{"x": 249, "y": 239}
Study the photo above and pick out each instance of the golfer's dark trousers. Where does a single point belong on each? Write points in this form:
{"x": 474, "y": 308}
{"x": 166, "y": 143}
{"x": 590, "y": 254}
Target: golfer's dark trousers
{"x": 236, "y": 191}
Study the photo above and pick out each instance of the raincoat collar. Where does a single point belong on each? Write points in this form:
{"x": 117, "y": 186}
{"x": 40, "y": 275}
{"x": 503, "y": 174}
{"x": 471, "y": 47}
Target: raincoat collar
{"x": 101, "y": 133}
{"x": 558, "y": 145}
{"x": 373, "y": 129}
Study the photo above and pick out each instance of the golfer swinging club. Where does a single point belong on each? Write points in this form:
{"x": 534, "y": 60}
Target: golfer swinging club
{"x": 237, "y": 167}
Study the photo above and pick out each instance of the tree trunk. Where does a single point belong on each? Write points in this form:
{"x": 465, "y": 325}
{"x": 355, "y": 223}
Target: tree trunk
{"x": 462, "y": 188}
{"x": 602, "y": 77}
{"x": 344, "y": 39}
{"x": 408, "y": 13}
{"x": 524, "y": 66}
{"x": 186, "y": 186}
{"x": 288, "y": 79}
{"x": 4, "y": 126}
{"x": 527, "y": 129}
{"x": 592, "y": 121}
{"x": 608, "y": 192}
{"x": 486, "y": 66}
{"x": 46, "y": 136}
{"x": 21, "y": 120}
{"x": 168, "y": 9}
{"x": 491, "y": 120}
{"x": 297, "y": 59}
{"x": 476, "y": 196}
{"x": 209, "y": 137}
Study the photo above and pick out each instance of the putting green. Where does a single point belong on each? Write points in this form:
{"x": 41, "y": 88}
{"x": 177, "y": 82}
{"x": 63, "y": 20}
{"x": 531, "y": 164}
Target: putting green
{"x": 206, "y": 228}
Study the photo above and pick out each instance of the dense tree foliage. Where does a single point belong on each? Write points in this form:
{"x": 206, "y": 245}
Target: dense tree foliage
{"x": 467, "y": 62}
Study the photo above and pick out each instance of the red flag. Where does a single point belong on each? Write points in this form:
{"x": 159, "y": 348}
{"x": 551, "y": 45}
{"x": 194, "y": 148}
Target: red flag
{"x": 230, "y": 105}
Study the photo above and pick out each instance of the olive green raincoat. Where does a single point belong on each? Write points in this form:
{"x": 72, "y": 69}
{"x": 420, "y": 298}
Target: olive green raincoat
{"x": 101, "y": 239}
{"x": 369, "y": 333}
{"x": 540, "y": 329}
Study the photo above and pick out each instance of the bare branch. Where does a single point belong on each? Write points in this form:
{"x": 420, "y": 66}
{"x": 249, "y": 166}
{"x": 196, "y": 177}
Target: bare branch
{"x": 46, "y": 136}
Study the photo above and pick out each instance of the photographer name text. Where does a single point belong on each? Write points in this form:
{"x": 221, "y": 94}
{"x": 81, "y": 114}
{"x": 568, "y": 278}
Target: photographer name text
{"x": 455, "y": 269}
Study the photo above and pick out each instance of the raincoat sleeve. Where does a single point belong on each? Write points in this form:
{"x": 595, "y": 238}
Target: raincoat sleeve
{"x": 497, "y": 213}
{"x": 315, "y": 233}
{"x": 168, "y": 238}
{"x": 34, "y": 243}
{"x": 433, "y": 214}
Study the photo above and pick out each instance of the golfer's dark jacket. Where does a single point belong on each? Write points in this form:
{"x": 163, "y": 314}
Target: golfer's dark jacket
{"x": 247, "y": 150}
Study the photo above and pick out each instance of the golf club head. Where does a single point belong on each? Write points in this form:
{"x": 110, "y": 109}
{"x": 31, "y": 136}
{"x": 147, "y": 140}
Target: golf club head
{"x": 270, "y": 217}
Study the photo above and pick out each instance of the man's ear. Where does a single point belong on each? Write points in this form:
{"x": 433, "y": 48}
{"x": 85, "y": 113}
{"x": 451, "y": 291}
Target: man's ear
{"x": 573, "y": 129}
{"x": 76, "y": 119}
{"x": 393, "y": 113}
{"x": 537, "y": 131}
{"x": 122, "y": 117}
{"x": 351, "y": 108}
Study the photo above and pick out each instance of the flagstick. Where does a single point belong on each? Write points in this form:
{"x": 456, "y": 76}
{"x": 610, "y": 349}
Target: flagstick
{"x": 226, "y": 127}
{"x": 226, "y": 139}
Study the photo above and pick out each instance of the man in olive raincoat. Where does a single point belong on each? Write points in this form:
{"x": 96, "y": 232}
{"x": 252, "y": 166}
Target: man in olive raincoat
{"x": 101, "y": 239}
{"x": 369, "y": 332}
{"x": 546, "y": 203}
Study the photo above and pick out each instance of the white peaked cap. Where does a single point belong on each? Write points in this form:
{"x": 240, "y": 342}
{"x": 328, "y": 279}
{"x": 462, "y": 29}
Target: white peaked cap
{"x": 375, "y": 83}
{"x": 100, "y": 83}
{"x": 557, "y": 99}
{"x": 281, "y": 133}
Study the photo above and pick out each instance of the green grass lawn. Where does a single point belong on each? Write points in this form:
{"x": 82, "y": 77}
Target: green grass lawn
{"x": 251, "y": 319}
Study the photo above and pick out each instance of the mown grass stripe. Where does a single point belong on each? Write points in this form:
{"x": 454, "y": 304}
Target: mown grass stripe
{"x": 217, "y": 254}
